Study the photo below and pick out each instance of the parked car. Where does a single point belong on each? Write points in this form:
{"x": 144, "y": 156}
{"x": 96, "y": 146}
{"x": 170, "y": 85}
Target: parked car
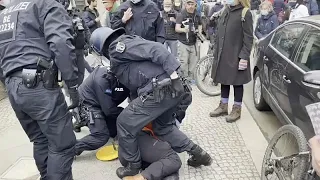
{"x": 282, "y": 61}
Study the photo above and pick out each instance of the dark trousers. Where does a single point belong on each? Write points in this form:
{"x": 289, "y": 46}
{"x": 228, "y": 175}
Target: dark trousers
{"x": 161, "y": 160}
{"x": 238, "y": 92}
{"x": 99, "y": 133}
{"x": 44, "y": 117}
{"x": 103, "y": 128}
{"x": 138, "y": 114}
{"x": 80, "y": 64}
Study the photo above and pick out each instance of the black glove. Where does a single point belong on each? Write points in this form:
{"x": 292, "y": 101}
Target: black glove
{"x": 74, "y": 96}
{"x": 177, "y": 86}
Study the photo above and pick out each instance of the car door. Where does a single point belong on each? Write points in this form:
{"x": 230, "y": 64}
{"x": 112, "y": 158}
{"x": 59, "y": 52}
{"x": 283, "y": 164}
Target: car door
{"x": 277, "y": 56}
{"x": 300, "y": 94}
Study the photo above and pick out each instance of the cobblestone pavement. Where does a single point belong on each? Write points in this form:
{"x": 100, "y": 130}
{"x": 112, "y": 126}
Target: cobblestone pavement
{"x": 222, "y": 140}
{"x": 232, "y": 159}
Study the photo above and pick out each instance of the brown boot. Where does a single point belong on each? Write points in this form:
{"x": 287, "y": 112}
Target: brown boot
{"x": 235, "y": 114}
{"x": 136, "y": 177}
{"x": 221, "y": 110}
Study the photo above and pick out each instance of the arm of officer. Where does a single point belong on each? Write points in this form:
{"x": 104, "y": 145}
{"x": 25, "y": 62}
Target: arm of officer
{"x": 139, "y": 49}
{"x": 104, "y": 99}
{"x": 160, "y": 33}
{"x": 57, "y": 31}
{"x": 116, "y": 20}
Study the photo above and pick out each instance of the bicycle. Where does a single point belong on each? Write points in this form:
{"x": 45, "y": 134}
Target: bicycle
{"x": 202, "y": 74}
{"x": 296, "y": 165}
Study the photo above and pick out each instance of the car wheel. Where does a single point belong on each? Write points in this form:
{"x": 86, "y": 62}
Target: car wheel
{"x": 258, "y": 99}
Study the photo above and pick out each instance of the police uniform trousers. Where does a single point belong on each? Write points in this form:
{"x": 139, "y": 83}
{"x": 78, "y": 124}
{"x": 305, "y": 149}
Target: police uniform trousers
{"x": 80, "y": 64}
{"x": 99, "y": 133}
{"x": 44, "y": 117}
{"x": 159, "y": 159}
{"x": 142, "y": 111}
{"x": 103, "y": 128}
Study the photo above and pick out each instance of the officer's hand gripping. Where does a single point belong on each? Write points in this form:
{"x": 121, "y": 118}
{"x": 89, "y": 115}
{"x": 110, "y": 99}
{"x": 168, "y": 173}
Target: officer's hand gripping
{"x": 74, "y": 96}
{"x": 177, "y": 84}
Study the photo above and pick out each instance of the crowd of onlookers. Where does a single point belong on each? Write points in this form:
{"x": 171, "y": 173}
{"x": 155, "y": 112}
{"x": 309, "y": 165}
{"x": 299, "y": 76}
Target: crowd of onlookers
{"x": 274, "y": 12}
{"x": 175, "y": 23}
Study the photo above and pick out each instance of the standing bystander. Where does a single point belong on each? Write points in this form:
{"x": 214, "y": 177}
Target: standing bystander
{"x": 187, "y": 25}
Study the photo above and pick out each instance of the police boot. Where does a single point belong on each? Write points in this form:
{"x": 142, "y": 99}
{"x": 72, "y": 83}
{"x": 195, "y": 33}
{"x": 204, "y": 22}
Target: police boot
{"x": 136, "y": 177}
{"x": 221, "y": 110}
{"x": 199, "y": 157}
{"x": 174, "y": 176}
{"x": 129, "y": 170}
{"x": 235, "y": 114}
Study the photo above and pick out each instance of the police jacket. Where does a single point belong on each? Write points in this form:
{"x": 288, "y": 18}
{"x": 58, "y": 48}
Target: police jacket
{"x": 135, "y": 61}
{"x": 102, "y": 90}
{"x": 89, "y": 18}
{"x": 145, "y": 21}
{"x": 169, "y": 25}
{"x": 33, "y": 29}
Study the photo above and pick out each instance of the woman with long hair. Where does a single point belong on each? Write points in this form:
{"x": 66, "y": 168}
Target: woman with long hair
{"x": 233, "y": 47}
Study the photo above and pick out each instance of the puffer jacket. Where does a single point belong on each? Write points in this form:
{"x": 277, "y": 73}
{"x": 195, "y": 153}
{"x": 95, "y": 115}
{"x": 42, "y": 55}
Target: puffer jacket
{"x": 266, "y": 24}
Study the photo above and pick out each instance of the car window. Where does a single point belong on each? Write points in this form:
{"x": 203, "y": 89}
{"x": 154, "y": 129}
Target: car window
{"x": 285, "y": 38}
{"x": 308, "y": 56}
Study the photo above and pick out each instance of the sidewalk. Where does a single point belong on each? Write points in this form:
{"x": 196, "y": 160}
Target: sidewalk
{"x": 237, "y": 148}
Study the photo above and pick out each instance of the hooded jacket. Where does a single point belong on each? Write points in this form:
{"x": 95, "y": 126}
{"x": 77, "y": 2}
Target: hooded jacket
{"x": 266, "y": 24}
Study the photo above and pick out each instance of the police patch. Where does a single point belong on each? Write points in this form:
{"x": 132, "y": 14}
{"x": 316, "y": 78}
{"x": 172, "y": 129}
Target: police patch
{"x": 8, "y": 25}
{"x": 120, "y": 47}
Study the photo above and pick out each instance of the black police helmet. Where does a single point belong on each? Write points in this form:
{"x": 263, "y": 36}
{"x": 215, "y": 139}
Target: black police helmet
{"x": 102, "y": 37}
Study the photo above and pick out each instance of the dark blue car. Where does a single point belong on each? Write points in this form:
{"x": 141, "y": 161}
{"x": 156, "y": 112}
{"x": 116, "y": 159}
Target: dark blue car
{"x": 282, "y": 59}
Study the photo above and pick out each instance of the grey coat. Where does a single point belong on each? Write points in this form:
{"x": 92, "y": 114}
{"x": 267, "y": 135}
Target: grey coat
{"x": 234, "y": 42}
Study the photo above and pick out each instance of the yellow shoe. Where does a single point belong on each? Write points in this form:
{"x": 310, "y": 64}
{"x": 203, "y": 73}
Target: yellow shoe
{"x": 136, "y": 177}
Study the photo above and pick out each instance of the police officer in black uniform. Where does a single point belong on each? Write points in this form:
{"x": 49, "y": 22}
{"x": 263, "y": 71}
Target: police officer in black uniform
{"x": 142, "y": 18}
{"x": 35, "y": 43}
{"x": 100, "y": 94}
{"x": 143, "y": 67}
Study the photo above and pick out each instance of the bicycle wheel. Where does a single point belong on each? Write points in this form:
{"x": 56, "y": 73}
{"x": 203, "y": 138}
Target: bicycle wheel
{"x": 292, "y": 168}
{"x": 203, "y": 78}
